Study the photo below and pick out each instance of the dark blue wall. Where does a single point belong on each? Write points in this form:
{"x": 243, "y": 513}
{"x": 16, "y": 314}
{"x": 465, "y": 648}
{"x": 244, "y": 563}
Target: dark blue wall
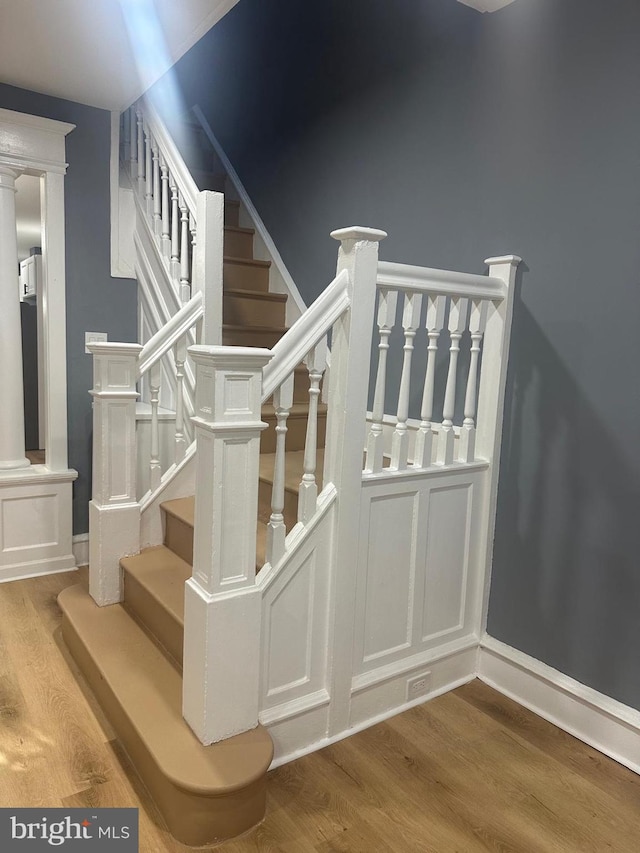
{"x": 95, "y": 301}
{"x": 467, "y": 135}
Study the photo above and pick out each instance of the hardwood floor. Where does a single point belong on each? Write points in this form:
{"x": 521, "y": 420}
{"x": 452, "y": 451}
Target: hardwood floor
{"x": 469, "y": 771}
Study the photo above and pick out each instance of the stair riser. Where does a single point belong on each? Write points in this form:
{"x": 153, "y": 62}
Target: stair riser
{"x": 296, "y": 432}
{"x": 238, "y": 244}
{"x": 192, "y": 819}
{"x": 156, "y": 619}
{"x": 250, "y": 337}
{"x": 239, "y": 310}
{"x": 178, "y": 536}
{"x": 245, "y": 276}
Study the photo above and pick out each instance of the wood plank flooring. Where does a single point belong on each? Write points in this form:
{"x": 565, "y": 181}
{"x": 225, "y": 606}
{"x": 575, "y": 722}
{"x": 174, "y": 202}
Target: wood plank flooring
{"x": 469, "y": 771}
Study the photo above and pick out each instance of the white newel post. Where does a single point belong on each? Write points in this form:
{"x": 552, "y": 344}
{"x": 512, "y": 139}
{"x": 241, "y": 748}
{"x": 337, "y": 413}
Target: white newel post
{"x": 114, "y": 512}
{"x": 223, "y": 606}
{"x": 493, "y": 378}
{"x": 207, "y": 264}
{"x": 12, "y": 453}
{"x": 345, "y": 441}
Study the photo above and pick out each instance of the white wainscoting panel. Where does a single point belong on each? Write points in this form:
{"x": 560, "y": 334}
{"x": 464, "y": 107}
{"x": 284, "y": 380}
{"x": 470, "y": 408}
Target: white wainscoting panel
{"x": 295, "y": 617}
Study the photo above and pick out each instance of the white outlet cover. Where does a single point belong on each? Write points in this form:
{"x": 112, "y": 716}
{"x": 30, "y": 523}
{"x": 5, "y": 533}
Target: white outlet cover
{"x": 94, "y": 338}
{"x": 419, "y": 685}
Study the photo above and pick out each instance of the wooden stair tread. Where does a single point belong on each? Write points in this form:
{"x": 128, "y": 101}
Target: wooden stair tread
{"x": 249, "y": 262}
{"x": 162, "y": 573}
{"x": 228, "y": 327}
{"x": 148, "y": 690}
{"x": 181, "y": 508}
{"x": 239, "y": 229}
{"x": 293, "y": 468}
{"x": 266, "y": 295}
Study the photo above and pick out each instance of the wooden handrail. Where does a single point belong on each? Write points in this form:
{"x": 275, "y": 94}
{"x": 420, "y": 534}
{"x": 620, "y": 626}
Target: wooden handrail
{"x": 305, "y": 334}
{"x": 426, "y": 280}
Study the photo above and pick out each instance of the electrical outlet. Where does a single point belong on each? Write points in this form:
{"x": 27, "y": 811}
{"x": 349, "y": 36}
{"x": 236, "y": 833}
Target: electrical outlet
{"x": 419, "y": 685}
{"x": 94, "y": 338}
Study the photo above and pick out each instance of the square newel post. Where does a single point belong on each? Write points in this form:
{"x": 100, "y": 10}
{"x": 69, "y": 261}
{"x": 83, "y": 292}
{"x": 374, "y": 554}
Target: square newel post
{"x": 114, "y": 512}
{"x": 223, "y": 606}
{"x": 345, "y": 439}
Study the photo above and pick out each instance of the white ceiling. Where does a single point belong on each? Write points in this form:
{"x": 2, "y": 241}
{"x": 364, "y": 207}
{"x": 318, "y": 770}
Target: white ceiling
{"x": 82, "y": 49}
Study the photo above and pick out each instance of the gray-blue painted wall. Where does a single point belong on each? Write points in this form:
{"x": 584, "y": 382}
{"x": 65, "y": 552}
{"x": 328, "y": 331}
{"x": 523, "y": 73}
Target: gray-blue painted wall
{"x": 95, "y": 301}
{"x": 466, "y": 135}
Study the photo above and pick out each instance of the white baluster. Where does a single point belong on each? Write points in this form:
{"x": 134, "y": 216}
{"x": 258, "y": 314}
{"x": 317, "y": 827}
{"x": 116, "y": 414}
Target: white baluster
{"x": 148, "y": 172}
{"x": 457, "y": 322}
{"x": 192, "y": 231}
{"x": 133, "y": 144}
{"x": 276, "y": 531}
{"x": 157, "y": 193}
{"x": 165, "y": 210}
{"x": 185, "y": 289}
{"x": 424, "y": 438}
{"x": 140, "y": 135}
{"x": 180, "y": 355}
{"x": 477, "y": 323}
{"x": 400, "y": 440}
{"x": 175, "y": 230}
{"x": 308, "y": 495}
{"x": 155, "y": 471}
{"x": 386, "y": 318}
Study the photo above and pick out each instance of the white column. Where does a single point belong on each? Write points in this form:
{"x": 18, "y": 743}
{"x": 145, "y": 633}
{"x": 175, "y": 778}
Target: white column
{"x": 223, "y": 606}
{"x": 12, "y": 453}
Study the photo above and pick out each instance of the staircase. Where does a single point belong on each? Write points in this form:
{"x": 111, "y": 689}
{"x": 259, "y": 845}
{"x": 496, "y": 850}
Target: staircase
{"x": 131, "y": 653}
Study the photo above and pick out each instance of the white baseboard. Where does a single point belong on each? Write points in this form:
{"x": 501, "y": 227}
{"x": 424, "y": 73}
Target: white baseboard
{"x": 80, "y": 545}
{"x": 600, "y": 721}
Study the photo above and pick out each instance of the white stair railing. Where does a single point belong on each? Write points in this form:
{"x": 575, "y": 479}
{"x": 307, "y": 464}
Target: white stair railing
{"x": 223, "y": 597}
{"x": 185, "y": 229}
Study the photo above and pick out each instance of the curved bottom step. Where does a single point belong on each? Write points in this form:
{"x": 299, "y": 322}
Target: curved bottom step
{"x": 206, "y": 794}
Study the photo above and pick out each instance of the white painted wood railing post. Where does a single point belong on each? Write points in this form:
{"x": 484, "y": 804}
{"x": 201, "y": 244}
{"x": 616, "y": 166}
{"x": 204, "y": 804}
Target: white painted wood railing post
{"x": 457, "y": 323}
{"x": 308, "y": 493}
{"x": 223, "y": 606}
{"x": 424, "y": 438}
{"x": 345, "y": 440}
{"x": 477, "y": 320}
{"x": 400, "y": 441}
{"x": 387, "y": 303}
{"x": 276, "y": 531}
{"x": 493, "y": 379}
{"x": 207, "y": 264}
{"x": 114, "y": 513}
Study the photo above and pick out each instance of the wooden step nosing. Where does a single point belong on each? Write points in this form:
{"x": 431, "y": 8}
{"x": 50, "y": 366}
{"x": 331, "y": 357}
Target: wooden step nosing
{"x": 250, "y": 262}
{"x": 110, "y": 682}
{"x": 240, "y": 229}
{"x": 265, "y": 295}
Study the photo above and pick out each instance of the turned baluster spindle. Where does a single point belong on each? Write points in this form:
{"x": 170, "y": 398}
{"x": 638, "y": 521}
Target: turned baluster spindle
{"x": 400, "y": 440}
{"x": 157, "y": 193}
{"x": 424, "y": 438}
{"x": 180, "y": 355}
{"x": 307, "y": 500}
{"x": 185, "y": 290}
{"x": 175, "y": 230}
{"x": 155, "y": 471}
{"x": 477, "y": 323}
{"x": 457, "y": 322}
{"x": 165, "y": 209}
{"x": 148, "y": 172}
{"x": 276, "y": 530}
{"x": 133, "y": 144}
{"x": 192, "y": 253}
{"x": 387, "y": 303}
{"x": 140, "y": 137}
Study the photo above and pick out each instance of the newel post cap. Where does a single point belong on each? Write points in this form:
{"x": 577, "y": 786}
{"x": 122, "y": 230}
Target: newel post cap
{"x": 511, "y": 260}
{"x": 230, "y": 358}
{"x": 357, "y": 232}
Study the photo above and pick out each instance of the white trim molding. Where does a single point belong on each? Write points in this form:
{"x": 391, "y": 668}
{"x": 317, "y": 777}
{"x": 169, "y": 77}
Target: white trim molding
{"x": 600, "y": 721}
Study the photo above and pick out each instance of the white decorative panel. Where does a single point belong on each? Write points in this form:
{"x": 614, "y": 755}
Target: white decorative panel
{"x": 448, "y": 527}
{"x": 120, "y": 474}
{"x": 236, "y": 550}
{"x": 237, "y": 398}
{"x": 29, "y": 522}
{"x": 290, "y": 631}
{"x": 119, "y": 374}
{"x": 389, "y": 574}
